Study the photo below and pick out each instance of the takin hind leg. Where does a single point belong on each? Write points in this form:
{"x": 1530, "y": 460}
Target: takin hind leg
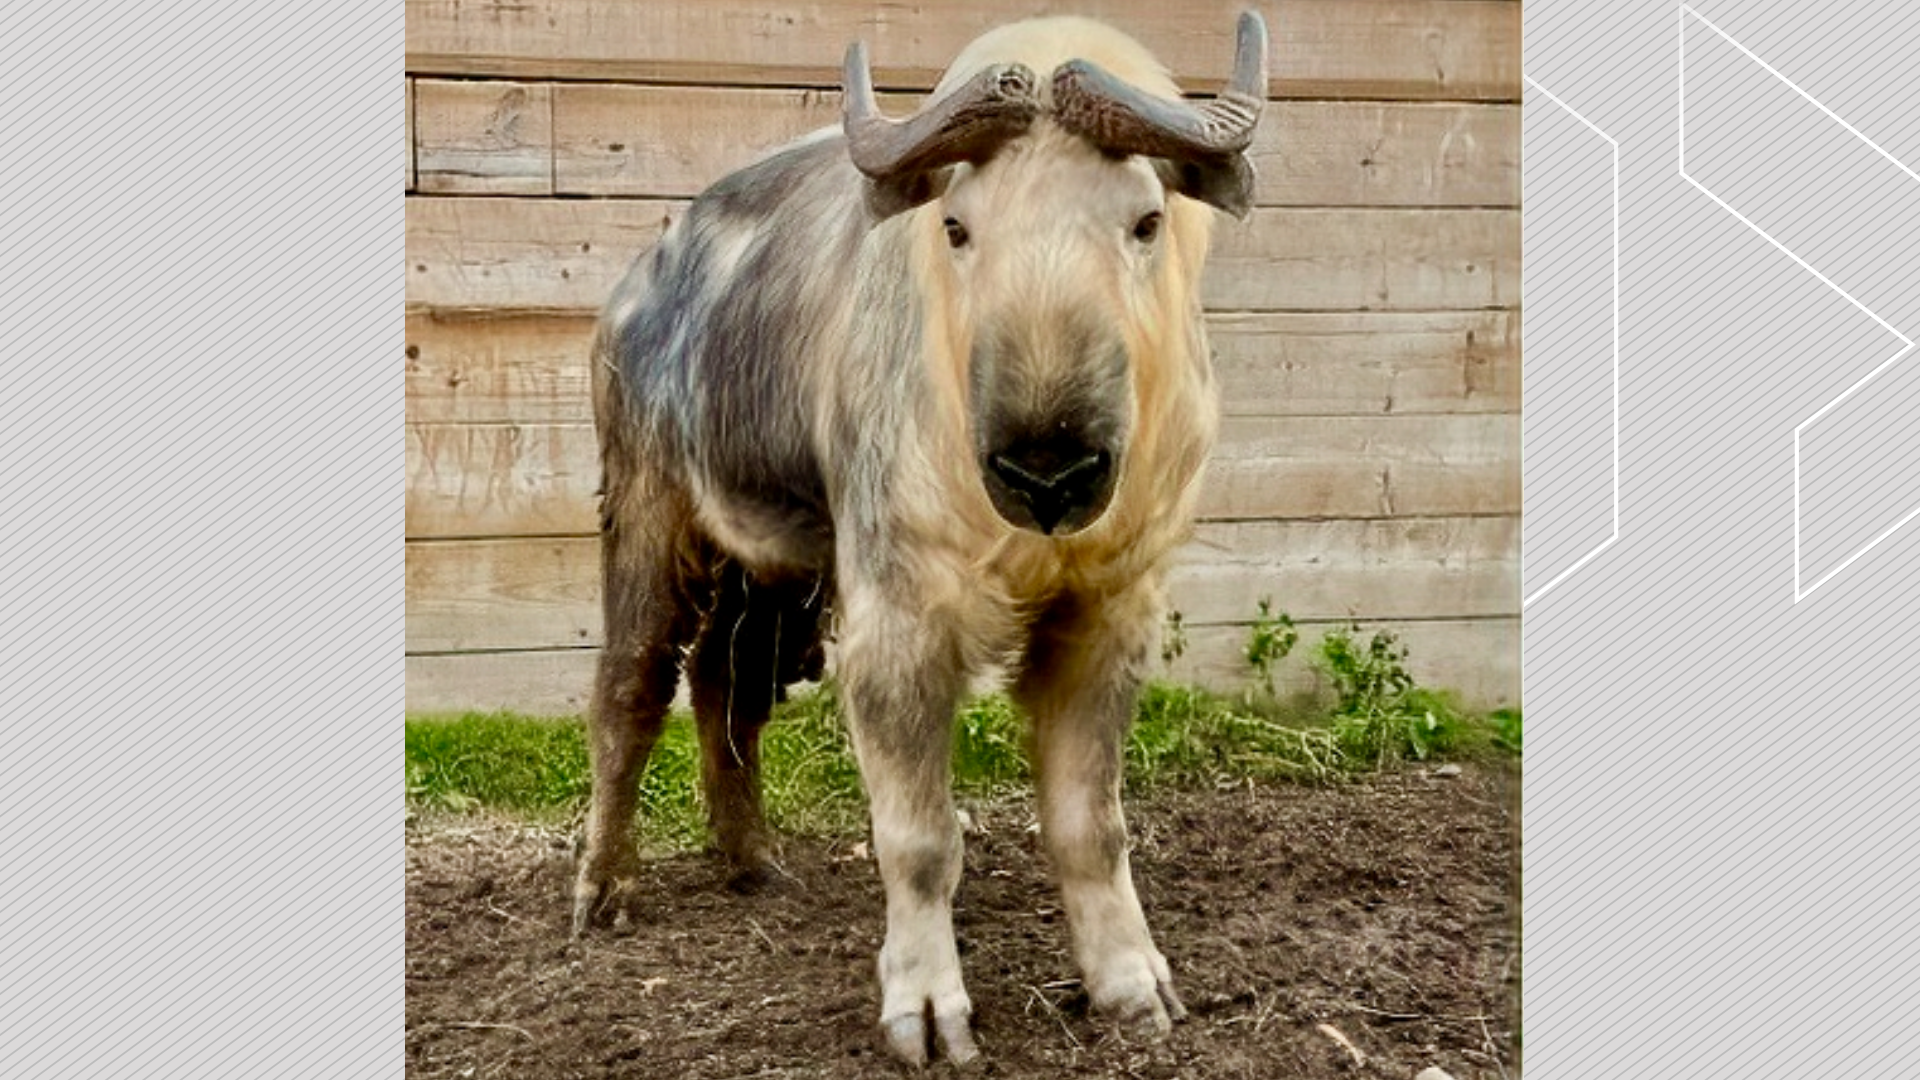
{"x": 746, "y": 649}
{"x": 1078, "y": 682}
{"x": 647, "y": 623}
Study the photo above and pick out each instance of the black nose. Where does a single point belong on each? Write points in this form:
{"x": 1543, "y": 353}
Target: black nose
{"x": 1051, "y": 485}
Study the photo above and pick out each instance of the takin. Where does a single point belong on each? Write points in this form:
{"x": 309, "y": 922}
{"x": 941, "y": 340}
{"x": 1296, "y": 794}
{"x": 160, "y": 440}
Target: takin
{"x": 937, "y": 388}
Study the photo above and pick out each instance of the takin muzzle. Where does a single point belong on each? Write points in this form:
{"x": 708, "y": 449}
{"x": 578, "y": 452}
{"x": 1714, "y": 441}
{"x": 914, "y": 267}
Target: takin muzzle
{"x": 1051, "y": 424}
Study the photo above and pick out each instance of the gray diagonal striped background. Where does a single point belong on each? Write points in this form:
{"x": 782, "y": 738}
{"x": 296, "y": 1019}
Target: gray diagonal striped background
{"x": 1720, "y": 838}
{"x": 1747, "y": 137}
{"x": 201, "y": 588}
{"x": 1568, "y": 405}
{"x": 201, "y": 579}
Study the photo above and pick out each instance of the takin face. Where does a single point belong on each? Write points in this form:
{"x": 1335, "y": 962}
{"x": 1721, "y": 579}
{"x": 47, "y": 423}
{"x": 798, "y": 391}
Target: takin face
{"x": 1064, "y": 267}
{"x": 1053, "y": 251}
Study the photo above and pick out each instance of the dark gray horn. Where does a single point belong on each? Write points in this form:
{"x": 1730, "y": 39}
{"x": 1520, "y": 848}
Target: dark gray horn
{"x": 1123, "y": 119}
{"x": 968, "y": 124}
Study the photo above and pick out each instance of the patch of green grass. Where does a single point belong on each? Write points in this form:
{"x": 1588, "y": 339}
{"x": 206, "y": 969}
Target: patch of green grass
{"x": 495, "y": 760}
{"x": 810, "y": 781}
{"x": 1182, "y": 736}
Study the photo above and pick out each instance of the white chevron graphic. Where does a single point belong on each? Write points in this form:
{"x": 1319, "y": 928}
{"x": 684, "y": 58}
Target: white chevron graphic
{"x": 1614, "y": 145}
{"x": 1801, "y": 590}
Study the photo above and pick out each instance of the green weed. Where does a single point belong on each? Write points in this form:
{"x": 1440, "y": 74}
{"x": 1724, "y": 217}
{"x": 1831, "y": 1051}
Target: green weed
{"x": 1380, "y": 715}
{"x": 1506, "y": 729}
{"x": 1269, "y": 641}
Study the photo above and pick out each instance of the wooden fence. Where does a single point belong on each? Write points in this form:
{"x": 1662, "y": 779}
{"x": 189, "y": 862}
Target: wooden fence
{"x": 1366, "y": 315}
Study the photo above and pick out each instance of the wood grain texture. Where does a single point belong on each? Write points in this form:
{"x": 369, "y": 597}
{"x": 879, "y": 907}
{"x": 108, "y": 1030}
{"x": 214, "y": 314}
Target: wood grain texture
{"x": 567, "y": 255}
{"x": 674, "y": 141}
{"x": 1477, "y": 658}
{"x": 1427, "y": 49}
{"x": 501, "y": 479}
{"x": 1365, "y": 260}
{"x": 1352, "y": 153}
{"x": 613, "y": 139}
{"x": 543, "y": 593}
{"x": 520, "y": 367}
{"x": 1365, "y": 363}
{"x": 1395, "y": 568}
{"x": 512, "y": 368}
{"x": 541, "y": 254}
{"x": 467, "y": 595}
{"x": 483, "y": 138}
{"x": 556, "y": 683}
{"x": 1364, "y": 467}
{"x": 539, "y": 479}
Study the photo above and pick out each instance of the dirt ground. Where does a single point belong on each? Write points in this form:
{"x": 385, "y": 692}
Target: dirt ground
{"x": 1383, "y": 910}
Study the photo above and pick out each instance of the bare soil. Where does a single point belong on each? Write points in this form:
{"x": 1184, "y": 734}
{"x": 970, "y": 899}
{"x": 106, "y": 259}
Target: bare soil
{"x": 1384, "y": 911}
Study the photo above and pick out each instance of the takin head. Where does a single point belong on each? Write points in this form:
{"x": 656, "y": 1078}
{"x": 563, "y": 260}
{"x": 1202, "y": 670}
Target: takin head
{"x": 1047, "y": 229}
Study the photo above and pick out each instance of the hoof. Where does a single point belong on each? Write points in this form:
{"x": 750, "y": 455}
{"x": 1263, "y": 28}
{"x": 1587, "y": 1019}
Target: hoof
{"x": 914, "y": 1043}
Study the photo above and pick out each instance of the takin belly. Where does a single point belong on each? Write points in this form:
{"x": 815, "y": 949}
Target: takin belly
{"x": 776, "y": 534}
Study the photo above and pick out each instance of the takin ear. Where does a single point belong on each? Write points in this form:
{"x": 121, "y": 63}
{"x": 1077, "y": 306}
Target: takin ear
{"x": 896, "y": 195}
{"x": 1224, "y": 182}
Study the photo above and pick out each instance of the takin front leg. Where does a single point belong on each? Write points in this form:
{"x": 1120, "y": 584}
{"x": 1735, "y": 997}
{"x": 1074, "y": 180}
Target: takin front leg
{"x": 900, "y": 678}
{"x": 1079, "y": 682}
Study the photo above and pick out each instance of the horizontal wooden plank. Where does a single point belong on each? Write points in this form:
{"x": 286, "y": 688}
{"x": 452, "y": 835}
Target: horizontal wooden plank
{"x": 539, "y": 479}
{"x": 557, "y": 683}
{"x": 1359, "y": 363}
{"x": 674, "y": 141}
{"x": 539, "y": 593}
{"x": 567, "y": 254}
{"x": 516, "y": 367}
{"x": 501, "y": 479}
{"x": 544, "y": 254}
{"x": 1395, "y": 568}
{"x": 1364, "y": 467}
{"x": 1335, "y": 153}
{"x": 1477, "y": 658}
{"x": 1365, "y": 260}
{"x": 1445, "y": 49}
{"x": 466, "y": 595}
{"x": 483, "y": 138}
{"x": 612, "y": 139}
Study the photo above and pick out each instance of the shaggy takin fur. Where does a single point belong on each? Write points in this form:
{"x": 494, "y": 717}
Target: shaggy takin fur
{"x": 946, "y": 378}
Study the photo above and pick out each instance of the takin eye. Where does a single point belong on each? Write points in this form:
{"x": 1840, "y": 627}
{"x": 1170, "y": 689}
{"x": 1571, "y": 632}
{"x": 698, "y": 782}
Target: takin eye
{"x": 956, "y": 233}
{"x": 1147, "y": 227}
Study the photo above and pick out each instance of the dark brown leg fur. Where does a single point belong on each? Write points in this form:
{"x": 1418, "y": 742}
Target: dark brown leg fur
{"x": 748, "y": 646}
{"x": 647, "y": 624}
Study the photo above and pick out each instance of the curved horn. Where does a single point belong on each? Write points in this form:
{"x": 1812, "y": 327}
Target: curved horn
{"x": 966, "y": 125}
{"x": 1124, "y": 119}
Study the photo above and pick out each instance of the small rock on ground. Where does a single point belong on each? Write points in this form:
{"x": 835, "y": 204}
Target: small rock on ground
{"x": 1434, "y": 1073}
